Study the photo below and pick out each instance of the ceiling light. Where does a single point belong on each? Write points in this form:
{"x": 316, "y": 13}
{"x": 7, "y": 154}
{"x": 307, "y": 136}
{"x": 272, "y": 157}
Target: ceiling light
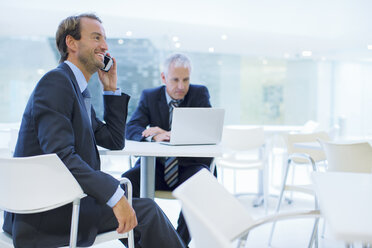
{"x": 211, "y": 49}
{"x": 369, "y": 47}
{"x": 128, "y": 33}
{"x": 40, "y": 71}
{"x": 307, "y": 53}
{"x": 120, "y": 41}
{"x": 177, "y": 45}
{"x": 175, "y": 38}
{"x": 224, "y": 37}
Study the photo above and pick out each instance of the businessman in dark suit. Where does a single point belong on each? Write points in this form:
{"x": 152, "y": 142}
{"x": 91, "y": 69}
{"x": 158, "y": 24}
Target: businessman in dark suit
{"x": 59, "y": 119}
{"x": 151, "y": 122}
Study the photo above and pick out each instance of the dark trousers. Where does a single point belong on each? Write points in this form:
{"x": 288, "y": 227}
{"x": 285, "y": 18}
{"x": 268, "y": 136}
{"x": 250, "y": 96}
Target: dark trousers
{"x": 154, "y": 230}
{"x": 185, "y": 170}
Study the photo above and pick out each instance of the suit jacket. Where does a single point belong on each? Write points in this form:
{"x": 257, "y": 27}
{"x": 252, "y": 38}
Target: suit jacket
{"x": 153, "y": 110}
{"x": 56, "y": 121}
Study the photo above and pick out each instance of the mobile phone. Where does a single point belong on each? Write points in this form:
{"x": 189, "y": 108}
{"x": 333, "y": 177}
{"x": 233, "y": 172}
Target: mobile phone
{"x": 108, "y": 63}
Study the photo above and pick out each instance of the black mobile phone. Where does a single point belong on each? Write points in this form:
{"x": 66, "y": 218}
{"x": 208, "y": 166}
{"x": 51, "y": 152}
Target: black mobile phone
{"x": 108, "y": 63}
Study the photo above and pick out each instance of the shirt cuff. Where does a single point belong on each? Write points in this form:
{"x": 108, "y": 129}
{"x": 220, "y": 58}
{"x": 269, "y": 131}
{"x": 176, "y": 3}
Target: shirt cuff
{"x": 111, "y": 93}
{"x": 116, "y": 197}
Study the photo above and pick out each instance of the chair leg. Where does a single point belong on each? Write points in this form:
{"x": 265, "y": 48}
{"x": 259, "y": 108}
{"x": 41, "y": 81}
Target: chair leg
{"x": 324, "y": 227}
{"x": 279, "y": 200}
{"x": 314, "y": 235}
{"x": 74, "y": 223}
{"x": 242, "y": 241}
{"x": 131, "y": 239}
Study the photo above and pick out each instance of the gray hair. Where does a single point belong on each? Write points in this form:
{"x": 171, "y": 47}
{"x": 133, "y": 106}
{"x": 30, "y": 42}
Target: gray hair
{"x": 177, "y": 60}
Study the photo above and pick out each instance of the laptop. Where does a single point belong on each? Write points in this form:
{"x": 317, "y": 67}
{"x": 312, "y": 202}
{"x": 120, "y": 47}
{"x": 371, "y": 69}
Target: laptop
{"x": 196, "y": 126}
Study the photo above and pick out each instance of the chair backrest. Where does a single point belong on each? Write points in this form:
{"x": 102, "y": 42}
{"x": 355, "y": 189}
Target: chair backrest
{"x": 352, "y": 157}
{"x": 242, "y": 138}
{"x": 36, "y": 184}
{"x": 215, "y": 217}
{"x": 316, "y": 154}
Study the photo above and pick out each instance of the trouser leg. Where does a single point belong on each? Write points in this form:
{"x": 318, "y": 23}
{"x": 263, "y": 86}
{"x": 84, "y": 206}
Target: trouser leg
{"x": 154, "y": 230}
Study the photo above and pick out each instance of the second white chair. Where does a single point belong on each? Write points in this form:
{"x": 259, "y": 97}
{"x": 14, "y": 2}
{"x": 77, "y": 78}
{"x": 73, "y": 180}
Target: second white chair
{"x": 301, "y": 156}
{"x": 244, "y": 149}
{"x": 215, "y": 217}
{"x": 348, "y": 157}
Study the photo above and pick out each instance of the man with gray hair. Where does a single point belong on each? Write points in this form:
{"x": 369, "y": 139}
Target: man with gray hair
{"x": 151, "y": 121}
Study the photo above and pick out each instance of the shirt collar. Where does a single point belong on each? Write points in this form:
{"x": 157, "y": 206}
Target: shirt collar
{"x": 169, "y": 98}
{"x": 82, "y": 82}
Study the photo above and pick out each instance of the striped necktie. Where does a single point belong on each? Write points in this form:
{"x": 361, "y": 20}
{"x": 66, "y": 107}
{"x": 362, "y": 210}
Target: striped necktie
{"x": 172, "y": 104}
{"x": 171, "y": 171}
{"x": 87, "y": 97}
{"x": 171, "y": 164}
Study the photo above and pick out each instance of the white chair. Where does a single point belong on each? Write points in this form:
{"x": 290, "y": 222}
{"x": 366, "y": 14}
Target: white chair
{"x": 301, "y": 156}
{"x": 20, "y": 178}
{"x": 215, "y": 217}
{"x": 244, "y": 149}
{"x": 351, "y": 157}
{"x": 348, "y": 157}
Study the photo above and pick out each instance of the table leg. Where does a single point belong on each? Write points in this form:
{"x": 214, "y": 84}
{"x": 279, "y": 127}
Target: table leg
{"x": 147, "y": 189}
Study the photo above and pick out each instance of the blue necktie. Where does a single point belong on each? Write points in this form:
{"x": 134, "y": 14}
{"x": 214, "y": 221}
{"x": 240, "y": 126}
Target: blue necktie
{"x": 87, "y": 96}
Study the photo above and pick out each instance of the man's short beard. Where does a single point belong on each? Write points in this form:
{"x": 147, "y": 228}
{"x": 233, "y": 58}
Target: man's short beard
{"x": 90, "y": 64}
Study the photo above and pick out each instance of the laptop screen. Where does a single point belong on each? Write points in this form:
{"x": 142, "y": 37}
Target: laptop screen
{"x": 197, "y": 126}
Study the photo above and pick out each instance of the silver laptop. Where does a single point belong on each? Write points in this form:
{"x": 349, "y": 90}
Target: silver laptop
{"x": 196, "y": 126}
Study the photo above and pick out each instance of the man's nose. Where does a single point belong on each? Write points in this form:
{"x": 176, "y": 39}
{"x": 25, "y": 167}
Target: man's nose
{"x": 180, "y": 85}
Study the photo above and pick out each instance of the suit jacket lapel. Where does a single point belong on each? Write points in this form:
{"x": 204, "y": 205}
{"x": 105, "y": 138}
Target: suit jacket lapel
{"x": 66, "y": 68}
{"x": 163, "y": 107}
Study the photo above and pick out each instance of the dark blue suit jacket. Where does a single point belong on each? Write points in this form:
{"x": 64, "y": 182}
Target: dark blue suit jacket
{"x": 153, "y": 110}
{"x": 56, "y": 121}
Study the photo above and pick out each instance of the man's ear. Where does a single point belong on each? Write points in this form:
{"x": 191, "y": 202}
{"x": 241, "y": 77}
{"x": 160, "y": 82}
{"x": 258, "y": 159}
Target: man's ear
{"x": 163, "y": 78}
{"x": 71, "y": 43}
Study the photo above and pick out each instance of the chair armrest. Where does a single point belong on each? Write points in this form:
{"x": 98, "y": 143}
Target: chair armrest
{"x": 282, "y": 216}
{"x": 303, "y": 156}
{"x": 129, "y": 191}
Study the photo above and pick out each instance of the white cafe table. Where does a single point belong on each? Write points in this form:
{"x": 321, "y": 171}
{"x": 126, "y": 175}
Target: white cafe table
{"x": 148, "y": 151}
{"x": 317, "y": 146}
{"x": 346, "y": 203}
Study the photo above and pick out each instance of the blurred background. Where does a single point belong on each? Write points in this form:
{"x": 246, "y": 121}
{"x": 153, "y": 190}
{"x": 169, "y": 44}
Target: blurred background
{"x": 266, "y": 62}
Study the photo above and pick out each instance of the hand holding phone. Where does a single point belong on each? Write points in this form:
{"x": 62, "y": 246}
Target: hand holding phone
{"x": 107, "y": 63}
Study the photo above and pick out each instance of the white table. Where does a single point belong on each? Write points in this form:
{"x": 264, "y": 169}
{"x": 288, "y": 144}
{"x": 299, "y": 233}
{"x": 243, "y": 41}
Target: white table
{"x": 317, "y": 146}
{"x": 150, "y": 150}
{"x": 346, "y": 203}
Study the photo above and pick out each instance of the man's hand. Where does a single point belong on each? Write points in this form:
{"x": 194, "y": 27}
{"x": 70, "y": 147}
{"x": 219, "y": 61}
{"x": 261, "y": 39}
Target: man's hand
{"x": 162, "y": 137}
{"x": 151, "y": 131}
{"x": 125, "y": 215}
{"x": 110, "y": 78}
